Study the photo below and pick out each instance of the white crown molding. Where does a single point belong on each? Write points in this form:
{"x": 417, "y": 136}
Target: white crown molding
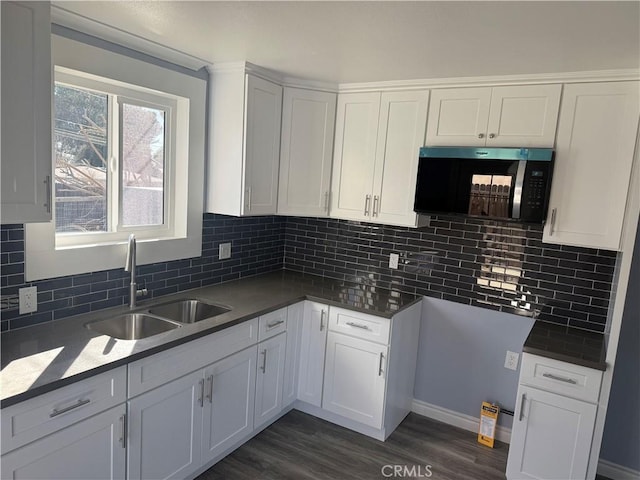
{"x": 457, "y": 419}
{"x": 66, "y": 18}
{"x": 489, "y": 81}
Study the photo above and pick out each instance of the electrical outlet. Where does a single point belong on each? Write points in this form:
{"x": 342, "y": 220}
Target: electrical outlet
{"x": 224, "y": 251}
{"x": 511, "y": 360}
{"x": 28, "y": 300}
{"x": 393, "y": 260}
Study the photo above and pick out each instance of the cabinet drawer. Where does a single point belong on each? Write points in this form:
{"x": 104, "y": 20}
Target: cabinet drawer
{"x": 360, "y": 325}
{"x": 34, "y": 418}
{"x": 272, "y": 324}
{"x": 158, "y": 369}
{"x": 561, "y": 377}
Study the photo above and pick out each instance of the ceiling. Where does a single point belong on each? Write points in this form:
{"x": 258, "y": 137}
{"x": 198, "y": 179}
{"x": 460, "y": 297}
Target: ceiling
{"x": 345, "y": 42}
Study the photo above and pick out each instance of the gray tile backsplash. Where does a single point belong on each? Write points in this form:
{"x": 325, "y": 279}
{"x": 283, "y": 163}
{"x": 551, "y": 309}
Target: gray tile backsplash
{"x": 496, "y": 265}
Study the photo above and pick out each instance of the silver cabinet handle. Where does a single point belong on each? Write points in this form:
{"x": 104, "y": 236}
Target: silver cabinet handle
{"x": 201, "y": 397}
{"x": 247, "y": 201}
{"x": 522, "y": 400}
{"x": 357, "y": 325}
{"x": 322, "y": 320}
{"x": 326, "y": 201}
{"x": 47, "y": 182}
{"x": 380, "y": 365}
{"x": 264, "y": 361}
{"x": 367, "y": 201}
{"x": 210, "y": 391}
{"x": 275, "y": 324}
{"x": 560, "y": 379}
{"x": 481, "y": 135}
{"x": 553, "y": 221}
{"x": 123, "y": 431}
{"x": 492, "y": 135}
{"x": 376, "y": 201}
{"x": 55, "y": 412}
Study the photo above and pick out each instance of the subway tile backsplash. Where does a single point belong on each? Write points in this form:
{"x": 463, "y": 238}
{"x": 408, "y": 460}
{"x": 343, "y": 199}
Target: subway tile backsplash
{"x": 257, "y": 247}
{"x": 496, "y": 265}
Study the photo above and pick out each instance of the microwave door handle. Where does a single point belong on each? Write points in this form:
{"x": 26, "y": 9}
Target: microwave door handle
{"x": 517, "y": 189}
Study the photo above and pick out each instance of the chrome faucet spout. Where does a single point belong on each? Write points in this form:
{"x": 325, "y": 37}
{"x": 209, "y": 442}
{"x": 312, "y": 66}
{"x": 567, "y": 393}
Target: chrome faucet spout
{"x": 130, "y": 266}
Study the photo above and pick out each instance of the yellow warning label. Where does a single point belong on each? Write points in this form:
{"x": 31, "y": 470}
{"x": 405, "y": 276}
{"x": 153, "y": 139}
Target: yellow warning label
{"x": 488, "y": 420}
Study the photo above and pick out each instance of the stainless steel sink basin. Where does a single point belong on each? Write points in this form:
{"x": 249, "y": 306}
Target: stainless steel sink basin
{"x": 188, "y": 311}
{"x": 132, "y": 326}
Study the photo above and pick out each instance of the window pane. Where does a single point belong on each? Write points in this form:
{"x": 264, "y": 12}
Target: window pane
{"x": 80, "y": 138}
{"x": 142, "y": 156}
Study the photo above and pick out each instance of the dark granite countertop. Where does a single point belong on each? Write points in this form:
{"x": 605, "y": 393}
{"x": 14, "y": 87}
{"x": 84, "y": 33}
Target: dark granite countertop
{"x": 44, "y": 357}
{"x": 567, "y": 344}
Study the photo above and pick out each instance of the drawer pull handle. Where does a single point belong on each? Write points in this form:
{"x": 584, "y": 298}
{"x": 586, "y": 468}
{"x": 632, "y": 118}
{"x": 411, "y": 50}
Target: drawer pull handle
{"x": 322, "y": 320}
{"x": 357, "y": 325}
{"x": 560, "y": 379}
{"x": 210, "y": 392}
{"x": 123, "y": 430}
{"x": 380, "y": 365}
{"x": 522, "y": 400}
{"x": 201, "y": 396}
{"x": 275, "y": 324}
{"x": 79, "y": 403}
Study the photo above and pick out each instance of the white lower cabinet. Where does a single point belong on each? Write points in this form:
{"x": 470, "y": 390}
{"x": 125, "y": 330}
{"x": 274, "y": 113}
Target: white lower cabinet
{"x": 554, "y": 420}
{"x": 551, "y": 437}
{"x": 354, "y": 379}
{"x": 165, "y": 427}
{"x": 90, "y": 449}
{"x": 312, "y": 346}
{"x": 269, "y": 379}
{"x": 228, "y": 403}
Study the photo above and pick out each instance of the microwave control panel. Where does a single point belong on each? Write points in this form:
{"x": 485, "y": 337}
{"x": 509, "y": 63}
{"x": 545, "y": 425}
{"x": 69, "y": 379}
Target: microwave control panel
{"x": 535, "y": 191}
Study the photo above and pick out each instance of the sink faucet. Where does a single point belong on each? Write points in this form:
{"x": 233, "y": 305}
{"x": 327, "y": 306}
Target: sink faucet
{"x": 130, "y": 266}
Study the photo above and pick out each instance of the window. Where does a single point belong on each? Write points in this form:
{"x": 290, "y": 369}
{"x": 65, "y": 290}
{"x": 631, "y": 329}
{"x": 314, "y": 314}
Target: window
{"x": 128, "y": 157}
{"x": 113, "y": 157}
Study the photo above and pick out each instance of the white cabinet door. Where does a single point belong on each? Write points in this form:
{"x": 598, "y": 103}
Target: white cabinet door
{"x": 308, "y": 119}
{"x": 518, "y": 116}
{"x": 458, "y": 116}
{"x": 262, "y": 144}
{"x": 403, "y": 119}
{"x": 90, "y": 449}
{"x": 25, "y": 164}
{"x": 312, "y": 348}
{"x": 354, "y": 155}
{"x": 594, "y": 154}
{"x": 551, "y": 436}
{"x": 523, "y": 116}
{"x": 354, "y": 379}
{"x": 165, "y": 428}
{"x": 228, "y": 404}
{"x": 295, "y": 314}
{"x": 269, "y": 379}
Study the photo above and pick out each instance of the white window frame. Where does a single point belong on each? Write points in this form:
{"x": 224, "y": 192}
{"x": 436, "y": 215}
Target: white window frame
{"x": 49, "y": 255}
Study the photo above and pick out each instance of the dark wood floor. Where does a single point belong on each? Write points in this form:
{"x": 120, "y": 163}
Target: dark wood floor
{"x": 299, "y": 446}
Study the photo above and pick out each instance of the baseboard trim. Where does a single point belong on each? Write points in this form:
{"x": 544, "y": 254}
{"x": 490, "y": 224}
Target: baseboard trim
{"x": 616, "y": 472}
{"x": 460, "y": 420}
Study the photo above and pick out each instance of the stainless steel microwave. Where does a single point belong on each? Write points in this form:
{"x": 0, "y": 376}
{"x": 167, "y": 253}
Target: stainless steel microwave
{"x": 499, "y": 183}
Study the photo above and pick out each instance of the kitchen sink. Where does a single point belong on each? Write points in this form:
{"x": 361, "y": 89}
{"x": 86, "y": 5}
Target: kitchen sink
{"x": 132, "y": 326}
{"x": 188, "y": 311}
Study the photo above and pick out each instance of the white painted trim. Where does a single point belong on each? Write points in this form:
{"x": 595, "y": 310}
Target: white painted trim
{"x": 75, "y": 21}
{"x": 616, "y": 472}
{"x": 491, "y": 81}
{"x": 460, "y": 420}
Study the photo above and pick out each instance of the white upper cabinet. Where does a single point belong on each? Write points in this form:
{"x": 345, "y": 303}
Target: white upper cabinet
{"x": 516, "y": 116}
{"x": 244, "y": 143}
{"x": 308, "y": 119}
{"x": 25, "y": 164}
{"x": 378, "y": 136}
{"x": 594, "y": 155}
